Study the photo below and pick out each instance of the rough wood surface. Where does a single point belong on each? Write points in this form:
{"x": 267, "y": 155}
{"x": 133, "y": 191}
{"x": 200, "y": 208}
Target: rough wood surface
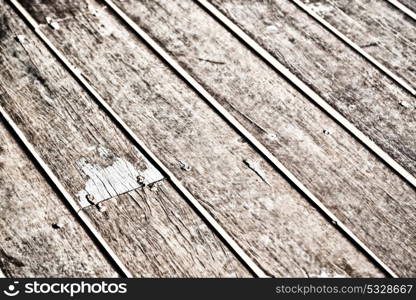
{"x": 39, "y": 236}
{"x": 373, "y": 201}
{"x": 268, "y": 218}
{"x": 83, "y": 147}
{"x": 156, "y": 234}
{"x": 355, "y": 88}
{"x": 79, "y": 142}
{"x": 383, "y": 31}
{"x": 409, "y": 3}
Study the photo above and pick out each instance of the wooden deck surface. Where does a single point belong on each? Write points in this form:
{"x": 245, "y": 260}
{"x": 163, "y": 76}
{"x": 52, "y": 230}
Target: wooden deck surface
{"x": 409, "y": 3}
{"x": 347, "y": 213}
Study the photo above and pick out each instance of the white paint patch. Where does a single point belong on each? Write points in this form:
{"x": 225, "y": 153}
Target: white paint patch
{"x": 116, "y": 179}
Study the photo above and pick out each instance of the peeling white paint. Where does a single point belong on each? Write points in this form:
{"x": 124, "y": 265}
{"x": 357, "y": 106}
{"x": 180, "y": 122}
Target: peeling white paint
{"x": 118, "y": 178}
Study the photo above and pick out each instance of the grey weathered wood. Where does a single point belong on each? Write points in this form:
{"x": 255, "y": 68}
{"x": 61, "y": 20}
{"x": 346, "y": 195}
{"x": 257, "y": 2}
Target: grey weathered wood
{"x": 344, "y": 79}
{"x": 39, "y": 235}
{"x": 335, "y": 167}
{"x": 158, "y": 235}
{"x": 219, "y": 263}
{"x": 277, "y": 227}
{"x": 214, "y": 225}
{"x": 84, "y": 149}
{"x": 249, "y": 138}
{"x": 409, "y": 3}
{"x": 385, "y": 33}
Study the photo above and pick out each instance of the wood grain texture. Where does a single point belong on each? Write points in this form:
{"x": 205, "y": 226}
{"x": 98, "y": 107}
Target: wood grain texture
{"x": 409, "y": 3}
{"x": 271, "y": 221}
{"x": 373, "y": 201}
{"x": 156, "y": 234}
{"x": 360, "y": 92}
{"x": 384, "y": 32}
{"x": 85, "y": 150}
{"x": 32, "y": 245}
{"x": 77, "y": 126}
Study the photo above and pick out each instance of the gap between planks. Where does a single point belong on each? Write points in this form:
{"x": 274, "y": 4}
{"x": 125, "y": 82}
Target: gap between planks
{"x": 64, "y": 193}
{"x": 318, "y": 100}
{"x": 249, "y": 137}
{"x": 403, "y": 8}
{"x": 206, "y": 216}
{"x": 397, "y": 79}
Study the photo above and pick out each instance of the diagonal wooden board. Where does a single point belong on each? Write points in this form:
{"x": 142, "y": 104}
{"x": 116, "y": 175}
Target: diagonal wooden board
{"x": 379, "y": 29}
{"x": 85, "y": 150}
{"x": 69, "y": 131}
{"x": 411, "y": 4}
{"x": 158, "y": 235}
{"x": 271, "y": 221}
{"x": 350, "y": 180}
{"x": 40, "y": 237}
{"x": 345, "y": 80}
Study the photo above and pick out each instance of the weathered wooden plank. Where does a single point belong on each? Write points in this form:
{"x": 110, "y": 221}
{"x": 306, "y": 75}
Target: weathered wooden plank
{"x": 272, "y": 222}
{"x": 330, "y": 162}
{"x": 220, "y": 263}
{"x": 85, "y": 150}
{"x": 407, "y": 9}
{"x": 344, "y": 79}
{"x": 39, "y": 236}
{"x": 158, "y": 235}
{"x": 409, "y": 3}
{"x": 386, "y": 34}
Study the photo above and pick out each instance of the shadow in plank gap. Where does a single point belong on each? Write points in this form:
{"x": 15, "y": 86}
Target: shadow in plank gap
{"x": 365, "y": 101}
{"x": 114, "y": 116}
{"x": 371, "y": 30}
{"x": 40, "y": 236}
{"x": 331, "y": 163}
{"x": 406, "y": 6}
{"x": 158, "y": 235}
{"x": 79, "y": 142}
{"x": 178, "y": 126}
{"x": 100, "y": 129}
